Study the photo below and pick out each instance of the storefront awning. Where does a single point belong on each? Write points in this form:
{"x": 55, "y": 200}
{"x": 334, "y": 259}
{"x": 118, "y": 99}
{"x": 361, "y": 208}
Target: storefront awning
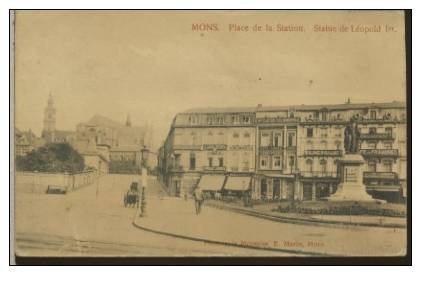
{"x": 211, "y": 182}
{"x": 237, "y": 183}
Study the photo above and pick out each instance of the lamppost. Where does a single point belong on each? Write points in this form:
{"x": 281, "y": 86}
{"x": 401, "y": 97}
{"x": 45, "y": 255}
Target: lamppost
{"x": 145, "y": 153}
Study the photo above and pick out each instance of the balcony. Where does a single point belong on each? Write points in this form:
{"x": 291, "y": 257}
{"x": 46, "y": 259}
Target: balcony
{"x": 318, "y": 174}
{"x": 270, "y": 150}
{"x": 277, "y": 120}
{"x": 377, "y": 136}
{"x": 379, "y": 152}
{"x": 323, "y": 152}
{"x": 214, "y": 147}
{"x": 214, "y": 168}
{"x": 187, "y": 147}
{"x": 380, "y": 175}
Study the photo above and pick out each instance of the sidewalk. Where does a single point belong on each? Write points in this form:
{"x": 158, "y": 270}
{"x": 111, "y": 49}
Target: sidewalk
{"x": 264, "y": 211}
{"x": 177, "y": 218}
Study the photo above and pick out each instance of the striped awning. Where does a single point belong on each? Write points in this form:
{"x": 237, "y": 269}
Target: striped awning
{"x": 238, "y": 183}
{"x": 211, "y": 182}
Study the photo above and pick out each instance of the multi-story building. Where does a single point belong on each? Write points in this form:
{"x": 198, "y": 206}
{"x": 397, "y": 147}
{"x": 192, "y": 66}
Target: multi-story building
{"x": 209, "y": 145}
{"x": 288, "y": 153}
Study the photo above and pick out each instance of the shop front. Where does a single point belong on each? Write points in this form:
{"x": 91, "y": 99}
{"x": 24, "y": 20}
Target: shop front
{"x": 237, "y": 187}
{"x": 211, "y": 185}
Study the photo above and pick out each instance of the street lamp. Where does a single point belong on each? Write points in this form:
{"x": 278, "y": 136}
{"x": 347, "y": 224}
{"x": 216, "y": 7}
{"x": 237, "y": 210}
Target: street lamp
{"x": 145, "y": 154}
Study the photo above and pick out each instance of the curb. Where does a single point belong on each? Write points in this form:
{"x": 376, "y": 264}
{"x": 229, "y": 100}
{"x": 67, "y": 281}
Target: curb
{"x": 301, "y": 220}
{"x": 301, "y": 252}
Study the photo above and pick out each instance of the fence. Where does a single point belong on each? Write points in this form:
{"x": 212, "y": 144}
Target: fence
{"x": 37, "y": 182}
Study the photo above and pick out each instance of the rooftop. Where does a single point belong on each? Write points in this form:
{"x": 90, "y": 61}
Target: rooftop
{"x": 303, "y": 107}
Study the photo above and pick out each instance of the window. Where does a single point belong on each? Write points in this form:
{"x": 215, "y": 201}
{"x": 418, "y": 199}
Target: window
{"x": 234, "y": 161}
{"x": 309, "y": 165}
{"x": 323, "y": 133}
{"x": 263, "y": 162}
{"x": 177, "y": 159}
{"x": 245, "y": 164}
{"x": 372, "y": 131}
{"x": 323, "y": 166}
{"x": 291, "y": 162}
{"x": 338, "y": 145}
{"x": 387, "y": 166}
{"x": 309, "y": 132}
{"x": 220, "y": 138}
{"x": 372, "y": 166}
{"x": 277, "y": 140}
{"x": 277, "y": 162}
{"x": 372, "y": 115}
{"x": 192, "y": 161}
{"x": 389, "y": 130}
{"x": 291, "y": 141}
{"x": 372, "y": 145}
{"x": 323, "y": 144}
{"x": 265, "y": 140}
{"x": 210, "y": 138}
{"x": 209, "y": 120}
{"x": 221, "y": 161}
{"x": 338, "y": 133}
{"x": 324, "y": 116}
{"x": 387, "y": 145}
{"x": 246, "y": 138}
{"x": 235, "y": 139}
{"x": 210, "y": 161}
{"x": 195, "y": 139}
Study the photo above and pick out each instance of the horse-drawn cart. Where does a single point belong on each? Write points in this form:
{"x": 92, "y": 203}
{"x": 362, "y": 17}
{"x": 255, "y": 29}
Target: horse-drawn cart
{"x": 131, "y": 198}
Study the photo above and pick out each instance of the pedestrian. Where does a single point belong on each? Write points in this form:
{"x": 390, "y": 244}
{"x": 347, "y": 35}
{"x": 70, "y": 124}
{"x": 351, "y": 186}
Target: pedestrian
{"x": 198, "y": 200}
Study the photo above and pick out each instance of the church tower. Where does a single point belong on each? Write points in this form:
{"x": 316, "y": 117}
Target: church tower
{"x": 49, "y": 118}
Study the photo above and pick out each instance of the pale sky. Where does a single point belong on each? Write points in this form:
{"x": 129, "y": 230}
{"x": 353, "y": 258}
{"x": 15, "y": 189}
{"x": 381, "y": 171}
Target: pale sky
{"x": 152, "y": 65}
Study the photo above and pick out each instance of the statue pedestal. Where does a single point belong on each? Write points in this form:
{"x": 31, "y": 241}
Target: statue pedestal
{"x": 351, "y": 187}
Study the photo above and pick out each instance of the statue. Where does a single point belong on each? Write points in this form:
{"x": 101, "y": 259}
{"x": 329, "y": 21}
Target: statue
{"x": 351, "y": 140}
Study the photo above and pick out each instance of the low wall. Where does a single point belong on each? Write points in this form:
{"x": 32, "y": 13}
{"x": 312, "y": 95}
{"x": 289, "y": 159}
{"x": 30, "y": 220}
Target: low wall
{"x": 37, "y": 182}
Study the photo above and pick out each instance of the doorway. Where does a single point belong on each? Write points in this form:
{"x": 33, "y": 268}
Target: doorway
{"x": 263, "y": 189}
{"x": 276, "y": 194}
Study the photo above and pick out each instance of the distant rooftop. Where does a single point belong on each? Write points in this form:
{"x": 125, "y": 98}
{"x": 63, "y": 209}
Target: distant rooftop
{"x": 303, "y": 107}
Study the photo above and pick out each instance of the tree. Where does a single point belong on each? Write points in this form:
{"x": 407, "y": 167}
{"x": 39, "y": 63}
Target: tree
{"x": 52, "y": 157}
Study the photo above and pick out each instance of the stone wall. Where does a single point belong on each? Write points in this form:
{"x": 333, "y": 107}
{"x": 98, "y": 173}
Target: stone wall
{"x": 37, "y": 182}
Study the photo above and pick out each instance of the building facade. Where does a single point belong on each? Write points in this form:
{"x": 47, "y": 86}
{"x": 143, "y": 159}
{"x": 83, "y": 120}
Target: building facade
{"x": 284, "y": 153}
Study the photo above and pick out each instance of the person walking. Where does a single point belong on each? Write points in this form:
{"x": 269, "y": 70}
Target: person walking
{"x": 198, "y": 200}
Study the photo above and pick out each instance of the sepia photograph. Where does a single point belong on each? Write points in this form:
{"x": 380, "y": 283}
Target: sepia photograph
{"x": 210, "y": 133}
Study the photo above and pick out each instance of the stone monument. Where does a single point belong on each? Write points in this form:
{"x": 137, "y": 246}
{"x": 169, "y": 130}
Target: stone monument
{"x": 351, "y": 186}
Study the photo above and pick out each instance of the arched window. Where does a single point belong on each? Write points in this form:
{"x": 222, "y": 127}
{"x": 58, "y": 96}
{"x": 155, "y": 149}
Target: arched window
{"x": 309, "y": 165}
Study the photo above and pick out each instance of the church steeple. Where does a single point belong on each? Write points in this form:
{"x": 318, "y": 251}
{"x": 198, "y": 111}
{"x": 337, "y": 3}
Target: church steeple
{"x": 50, "y": 116}
{"x": 128, "y": 121}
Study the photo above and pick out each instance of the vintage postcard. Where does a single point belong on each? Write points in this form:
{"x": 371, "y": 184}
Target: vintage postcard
{"x": 234, "y": 133}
